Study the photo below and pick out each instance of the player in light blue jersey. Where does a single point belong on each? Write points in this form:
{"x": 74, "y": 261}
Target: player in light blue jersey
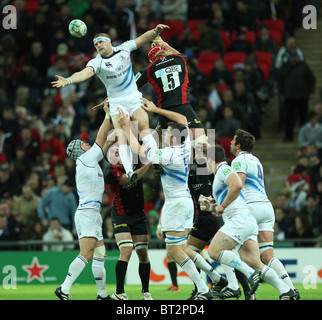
{"x": 88, "y": 220}
{"x": 239, "y": 232}
{"x": 178, "y": 209}
{"x": 114, "y": 68}
{"x": 251, "y": 172}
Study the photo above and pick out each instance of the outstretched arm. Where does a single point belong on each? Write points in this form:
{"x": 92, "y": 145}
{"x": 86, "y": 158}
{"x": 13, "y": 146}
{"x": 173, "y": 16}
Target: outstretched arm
{"x": 77, "y": 77}
{"x": 104, "y": 128}
{"x": 160, "y": 42}
{"x": 150, "y": 35}
{"x": 174, "y": 116}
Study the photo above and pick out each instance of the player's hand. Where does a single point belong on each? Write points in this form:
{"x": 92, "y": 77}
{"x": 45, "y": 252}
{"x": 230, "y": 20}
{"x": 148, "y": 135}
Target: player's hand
{"x": 100, "y": 105}
{"x": 122, "y": 118}
{"x": 158, "y": 41}
{"x": 219, "y": 210}
{"x": 160, "y": 27}
{"x": 149, "y": 105}
{"x": 61, "y": 82}
{"x": 106, "y": 106}
{"x": 159, "y": 232}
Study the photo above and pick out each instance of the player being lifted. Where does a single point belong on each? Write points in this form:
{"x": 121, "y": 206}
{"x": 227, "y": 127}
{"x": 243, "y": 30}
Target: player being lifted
{"x": 114, "y": 68}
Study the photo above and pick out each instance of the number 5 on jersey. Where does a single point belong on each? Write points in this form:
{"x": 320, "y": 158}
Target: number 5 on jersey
{"x": 169, "y": 77}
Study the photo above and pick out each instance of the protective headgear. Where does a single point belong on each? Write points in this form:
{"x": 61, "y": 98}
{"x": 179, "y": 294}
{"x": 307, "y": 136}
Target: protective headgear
{"x": 74, "y": 149}
{"x": 153, "y": 51}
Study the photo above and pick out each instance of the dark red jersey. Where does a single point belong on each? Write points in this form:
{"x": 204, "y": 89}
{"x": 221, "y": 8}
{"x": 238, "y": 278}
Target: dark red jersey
{"x": 127, "y": 199}
{"x": 169, "y": 77}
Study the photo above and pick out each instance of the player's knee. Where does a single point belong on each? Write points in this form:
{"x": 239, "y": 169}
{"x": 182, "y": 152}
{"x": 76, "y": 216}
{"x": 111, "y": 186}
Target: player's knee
{"x": 99, "y": 252}
{"x": 126, "y": 248}
{"x": 266, "y": 251}
{"x": 87, "y": 254}
{"x": 213, "y": 253}
{"x": 141, "y": 249}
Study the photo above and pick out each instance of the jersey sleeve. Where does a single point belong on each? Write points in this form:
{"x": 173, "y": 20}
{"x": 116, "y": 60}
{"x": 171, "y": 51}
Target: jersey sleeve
{"x": 141, "y": 78}
{"x": 93, "y": 63}
{"x": 239, "y": 164}
{"x": 224, "y": 173}
{"x": 129, "y": 45}
{"x": 92, "y": 156}
{"x": 160, "y": 156}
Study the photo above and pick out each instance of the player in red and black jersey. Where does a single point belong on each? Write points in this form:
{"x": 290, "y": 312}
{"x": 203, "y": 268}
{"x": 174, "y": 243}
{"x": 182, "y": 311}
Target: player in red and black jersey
{"x": 168, "y": 74}
{"x": 129, "y": 222}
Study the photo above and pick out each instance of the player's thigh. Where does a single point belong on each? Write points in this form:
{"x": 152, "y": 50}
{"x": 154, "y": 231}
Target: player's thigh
{"x": 125, "y": 243}
{"x": 195, "y": 243}
{"x": 141, "y": 116}
{"x": 87, "y": 246}
{"x": 140, "y": 243}
{"x": 265, "y": 236}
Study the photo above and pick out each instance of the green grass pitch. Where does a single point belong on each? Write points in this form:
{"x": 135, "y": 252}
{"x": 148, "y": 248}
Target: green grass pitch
{"x": 159, "y": 292}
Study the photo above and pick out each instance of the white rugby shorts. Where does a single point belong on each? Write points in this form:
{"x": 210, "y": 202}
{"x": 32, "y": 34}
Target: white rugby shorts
{"x": 89, "y": 223}
{"x": 177, "y": 214}
{"x": 240, "y": 227}
{"x": 128, "y": 103}
{"x": 264, "y": 214}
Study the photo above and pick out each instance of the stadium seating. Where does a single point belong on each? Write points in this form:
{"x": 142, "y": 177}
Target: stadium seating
{"x": 277, "y": 36}
{"x": 176, "y": 29}
{"x": 250, "y": 36}
{"x": 274, "y": 24}
{"x": 264, "y": 61}
{"x": 232, "y": 58}
{"x": 206, "y": 61}
{"x": 226, "y": 38}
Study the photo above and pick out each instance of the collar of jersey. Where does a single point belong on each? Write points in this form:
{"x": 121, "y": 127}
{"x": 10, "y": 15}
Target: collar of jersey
{"x": 112, "y": 55}
{"x": 220, "y": 164}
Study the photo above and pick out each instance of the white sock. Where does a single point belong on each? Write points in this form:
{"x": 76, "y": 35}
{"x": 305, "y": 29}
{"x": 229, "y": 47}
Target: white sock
{"x": 126, "y": 157}
{"x": 149, "y": 142}
{"x": 190, "y": 268}
{"x": 231, "y": 259}
{"x": 231, "y": 277}
{"x": 202, "y": 264}
{"x": 100, "y": 276}
{"x": 278, "y": 267}
{"x": 75, "y": 269}
{"x": 270, "y": 276}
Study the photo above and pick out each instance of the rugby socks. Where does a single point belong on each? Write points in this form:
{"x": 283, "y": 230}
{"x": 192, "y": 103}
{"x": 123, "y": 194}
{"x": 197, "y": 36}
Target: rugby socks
{"x": 100, "y": 276}
{"x": 231, "y": 259}
{"x": 231, "y": 277}
{"x": 75, "y": 269}
{"x": 278, "y": 267}
{"x": 270, "y": 276}
{"x": 202, "y": 264}
{"x": 120, "y": 271}
{"x": 173, "y": 270}
{"x": 149, "y": 142}
{"x": 126, "y": 157}
{"x": 190, "y": 268}
{"x": 144, "y": 273}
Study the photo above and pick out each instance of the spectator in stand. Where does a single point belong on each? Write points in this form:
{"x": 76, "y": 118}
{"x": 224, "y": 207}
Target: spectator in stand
{"x": 57, "y": 233}
{"x": 26, "y": 208}
{"x": 12, "y": 226}
{"x": 240, "y": 44}
{"x": 227, "y": 126}
{"x": 284, "y": 223}
{"x": 9, "y": 182}
{"x": 220, "y": 74}
{"x": 174, "y": 10}
{"x": 313, "y": 210}
{"x": 210, "y": 39}
{"x": 302, "y": 229}
{"x": 61, "y": 203}
{"x": 317, "y": 108}
{"x": 57, "y": 148}
{"x": 21, "y": 164}
{"x": 242, "y": 16}
{"x": 296, "y": 85}
{"x": 264, "y": 42}
{"x": 310, "y": 132}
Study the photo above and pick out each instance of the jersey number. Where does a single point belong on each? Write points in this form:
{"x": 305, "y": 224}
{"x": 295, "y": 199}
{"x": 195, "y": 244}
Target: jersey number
{"x": 169, "y": 77}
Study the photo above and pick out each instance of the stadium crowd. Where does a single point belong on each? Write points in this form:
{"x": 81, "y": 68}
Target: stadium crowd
{"x": 236, "y": 51}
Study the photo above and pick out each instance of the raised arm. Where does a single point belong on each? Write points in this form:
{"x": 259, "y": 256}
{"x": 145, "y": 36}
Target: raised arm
{"x": 77, "y": 77}
{"x": 160, "y": 42}
{"x": 174, "y": 116}
{"x": 150, "y": 35}
{"x": 104, "y": 128}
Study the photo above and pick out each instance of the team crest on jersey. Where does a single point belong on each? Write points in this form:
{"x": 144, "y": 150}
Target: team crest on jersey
{"x": 108, "y": 64}
{"x": 237, "y": 165}
{"x": 226, "y": 171}
{"x": 158, "y": 153}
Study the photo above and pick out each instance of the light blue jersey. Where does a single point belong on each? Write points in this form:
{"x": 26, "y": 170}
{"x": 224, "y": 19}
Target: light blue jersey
{"x": 175, "y": 161}
{"x": 254, "y": 188}
{"x": 220, "y": 190}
